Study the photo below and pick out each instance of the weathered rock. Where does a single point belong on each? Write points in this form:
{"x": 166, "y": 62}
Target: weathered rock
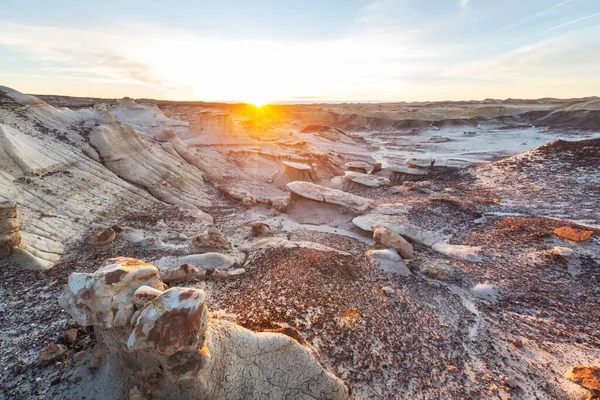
{"x": 299, "y": 171}
{"x": 106, "y": 297}
{"x": 576, "y": 235}
{"x": 436, "y": 272}
{"x": 388, "y": 291}
{"x": 398, "y": 224}
{"x": 174, "y": 321}
{"x": 401, "y": 174}
{"x": 174, "y": 351}
{"x": 387, "y": 238}
{"x": 459, "y": 252}
{"x": 211, "y": 239}
{"x": 352, "y": 179}
{"x": 210, "y": 260}
{"x": 8, "y": 209}
{"x": 51, "y": 353}
{"x": 420, "y": 162}
{"x": 219, "y": 275}
{"x": 236, "y": 272}
{"x": 281, "y": 205}
{"x": 70, "y": 336}
{"x": 144, "y": 294}
{"x": 389, "y": 261}
{"x": 260, "y": 228}
{"x": 588, "y": 377}
{"x": 358, "y": 166}
{"x": 10, "y": 233}
{"x": 376, "y": 168}
{"x": 316, "y": 192}
{"x": 559, "y": 251}
{"x": 101, "y": 238}
{"x": 182, "y": 273}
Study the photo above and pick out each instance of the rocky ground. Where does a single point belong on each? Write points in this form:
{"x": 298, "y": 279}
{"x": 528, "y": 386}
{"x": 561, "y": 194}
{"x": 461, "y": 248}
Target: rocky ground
{"x": 503, "y": 316}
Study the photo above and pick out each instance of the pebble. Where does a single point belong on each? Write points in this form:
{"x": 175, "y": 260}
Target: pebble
{"x": 53, "y": 352}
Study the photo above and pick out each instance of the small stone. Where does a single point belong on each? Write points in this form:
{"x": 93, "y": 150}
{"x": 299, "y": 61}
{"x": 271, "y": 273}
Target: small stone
{"x": 70, "y": 336}
{"x": 200, "y": 274}
{"x": 183, "y": 273}
{"x": 96, "y": 360}
{"x": 219, "y": 274}
{"x": 435, "y": 285}
{"x": 281, "y": 205}
{"x": 376, "y": 168}
{"x": 260, "y": 228}
{"x": 559, "y": 251}
{"x": 236, "y": 272}
{"x": 101, "y": 238}
{"x": 148, "y": 242}
{"x": 80, "y": 356}
{"x": 496, "y": 200}
{"x": 588, "y": 377}
{"x": 518, "y": 343}
{"x": 436, "y": 272}
{"x": 576, "y": 235}
{"x": 247, "y": 201}
{"x": 51, "y": 353}
{"x": 388, "y": 291}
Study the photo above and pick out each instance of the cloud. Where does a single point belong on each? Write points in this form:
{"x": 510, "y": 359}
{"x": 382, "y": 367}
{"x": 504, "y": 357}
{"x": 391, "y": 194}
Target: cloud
{"x": 572, "y": 22}
{"x": 363, "y": 62}
{"x": 463, "y": 4}
{"x": 536, "y": 15}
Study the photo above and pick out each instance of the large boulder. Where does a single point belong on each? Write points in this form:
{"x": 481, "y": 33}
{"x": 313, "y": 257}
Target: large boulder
{"x": 170, "y": 348}
{"x": 106, "y": 297}
{"x": 357, "y": 180}
{"x": 299, "y": 171}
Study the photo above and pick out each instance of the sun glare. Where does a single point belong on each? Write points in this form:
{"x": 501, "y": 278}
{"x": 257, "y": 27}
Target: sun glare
{"x": 258, "y": 101}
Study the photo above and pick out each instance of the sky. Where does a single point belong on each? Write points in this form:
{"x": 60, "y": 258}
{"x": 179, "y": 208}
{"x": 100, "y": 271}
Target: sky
{"x": 302, "y": 51}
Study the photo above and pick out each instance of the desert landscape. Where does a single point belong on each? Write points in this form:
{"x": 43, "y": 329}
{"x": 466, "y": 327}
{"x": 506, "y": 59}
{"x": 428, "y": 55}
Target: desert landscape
{"x": 157, "y": 249}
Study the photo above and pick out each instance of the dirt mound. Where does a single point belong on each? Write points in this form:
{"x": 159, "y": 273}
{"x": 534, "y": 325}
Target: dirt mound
{"x": 588, "y": 120}
{"x": 580, "y": 153}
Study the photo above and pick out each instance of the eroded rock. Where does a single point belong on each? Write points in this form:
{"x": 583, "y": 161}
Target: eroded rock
{"x": 10, "y": 229}
{"x": 182, "y": 273}
{"x": 316, "y": 192}
{"x": 106, "y": 296}
{"x": 173, "y": 350}
{"x": 212, "y": 238}
{"x": 576, "y": 235}
{"x": 101, "y": 238}
{"x": 389, "y": 261}
{"x": 51, "y": 353}
{"x": 387, "y": 238}
{"x": 588, "y": 377}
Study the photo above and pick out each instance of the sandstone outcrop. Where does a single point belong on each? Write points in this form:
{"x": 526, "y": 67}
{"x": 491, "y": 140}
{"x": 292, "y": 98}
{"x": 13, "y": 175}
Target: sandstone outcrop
{"x": 10, "y": 229}
{"x": 299, "y": 172}
{"x": 324, "y": 194}
{"x": 358, "y": 166}
{"x": 356, "y": 180}
{"x": 401, "y": 174}
{"x": 160, "y": 344}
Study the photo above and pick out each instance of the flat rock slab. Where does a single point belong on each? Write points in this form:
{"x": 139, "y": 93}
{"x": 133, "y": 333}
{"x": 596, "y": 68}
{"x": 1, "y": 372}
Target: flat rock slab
{"x": 324, "y": 194}
{"x": 366, "y": 180}
{"x": 296, "y": 165}
{"x": 389, "y": 261}
{"x": 205, "y": 260}
{"x": 398, "y": 224}
{"x": 459, "y": 252}
{"x": 288, "y": 244}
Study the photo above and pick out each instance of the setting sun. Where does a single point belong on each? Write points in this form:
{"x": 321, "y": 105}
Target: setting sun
{"x": 258, "y": 101}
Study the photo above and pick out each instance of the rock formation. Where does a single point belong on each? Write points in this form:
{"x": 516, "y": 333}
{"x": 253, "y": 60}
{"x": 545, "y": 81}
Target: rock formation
{"x": 299, "y": 171}
{"x": 400, "y": 174}
{"x": 356, "y": 180}
{"x": 588, "y": 377}
{"x": 160, "y": 344}
{"x": 358, "y": 166}
{"x": 320, "y": 193}
{"x": 10, "y": 230}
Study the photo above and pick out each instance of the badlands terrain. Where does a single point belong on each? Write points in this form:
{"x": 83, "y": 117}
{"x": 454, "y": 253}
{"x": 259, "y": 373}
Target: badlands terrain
{"x": 181, "y": 250}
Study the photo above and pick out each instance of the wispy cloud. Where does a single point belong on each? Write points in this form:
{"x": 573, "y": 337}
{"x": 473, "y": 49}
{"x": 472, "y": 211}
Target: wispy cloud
{"x": 463, "y": 3}
{"x": 571, "y": 22}
{"x": 536, "y": 15}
